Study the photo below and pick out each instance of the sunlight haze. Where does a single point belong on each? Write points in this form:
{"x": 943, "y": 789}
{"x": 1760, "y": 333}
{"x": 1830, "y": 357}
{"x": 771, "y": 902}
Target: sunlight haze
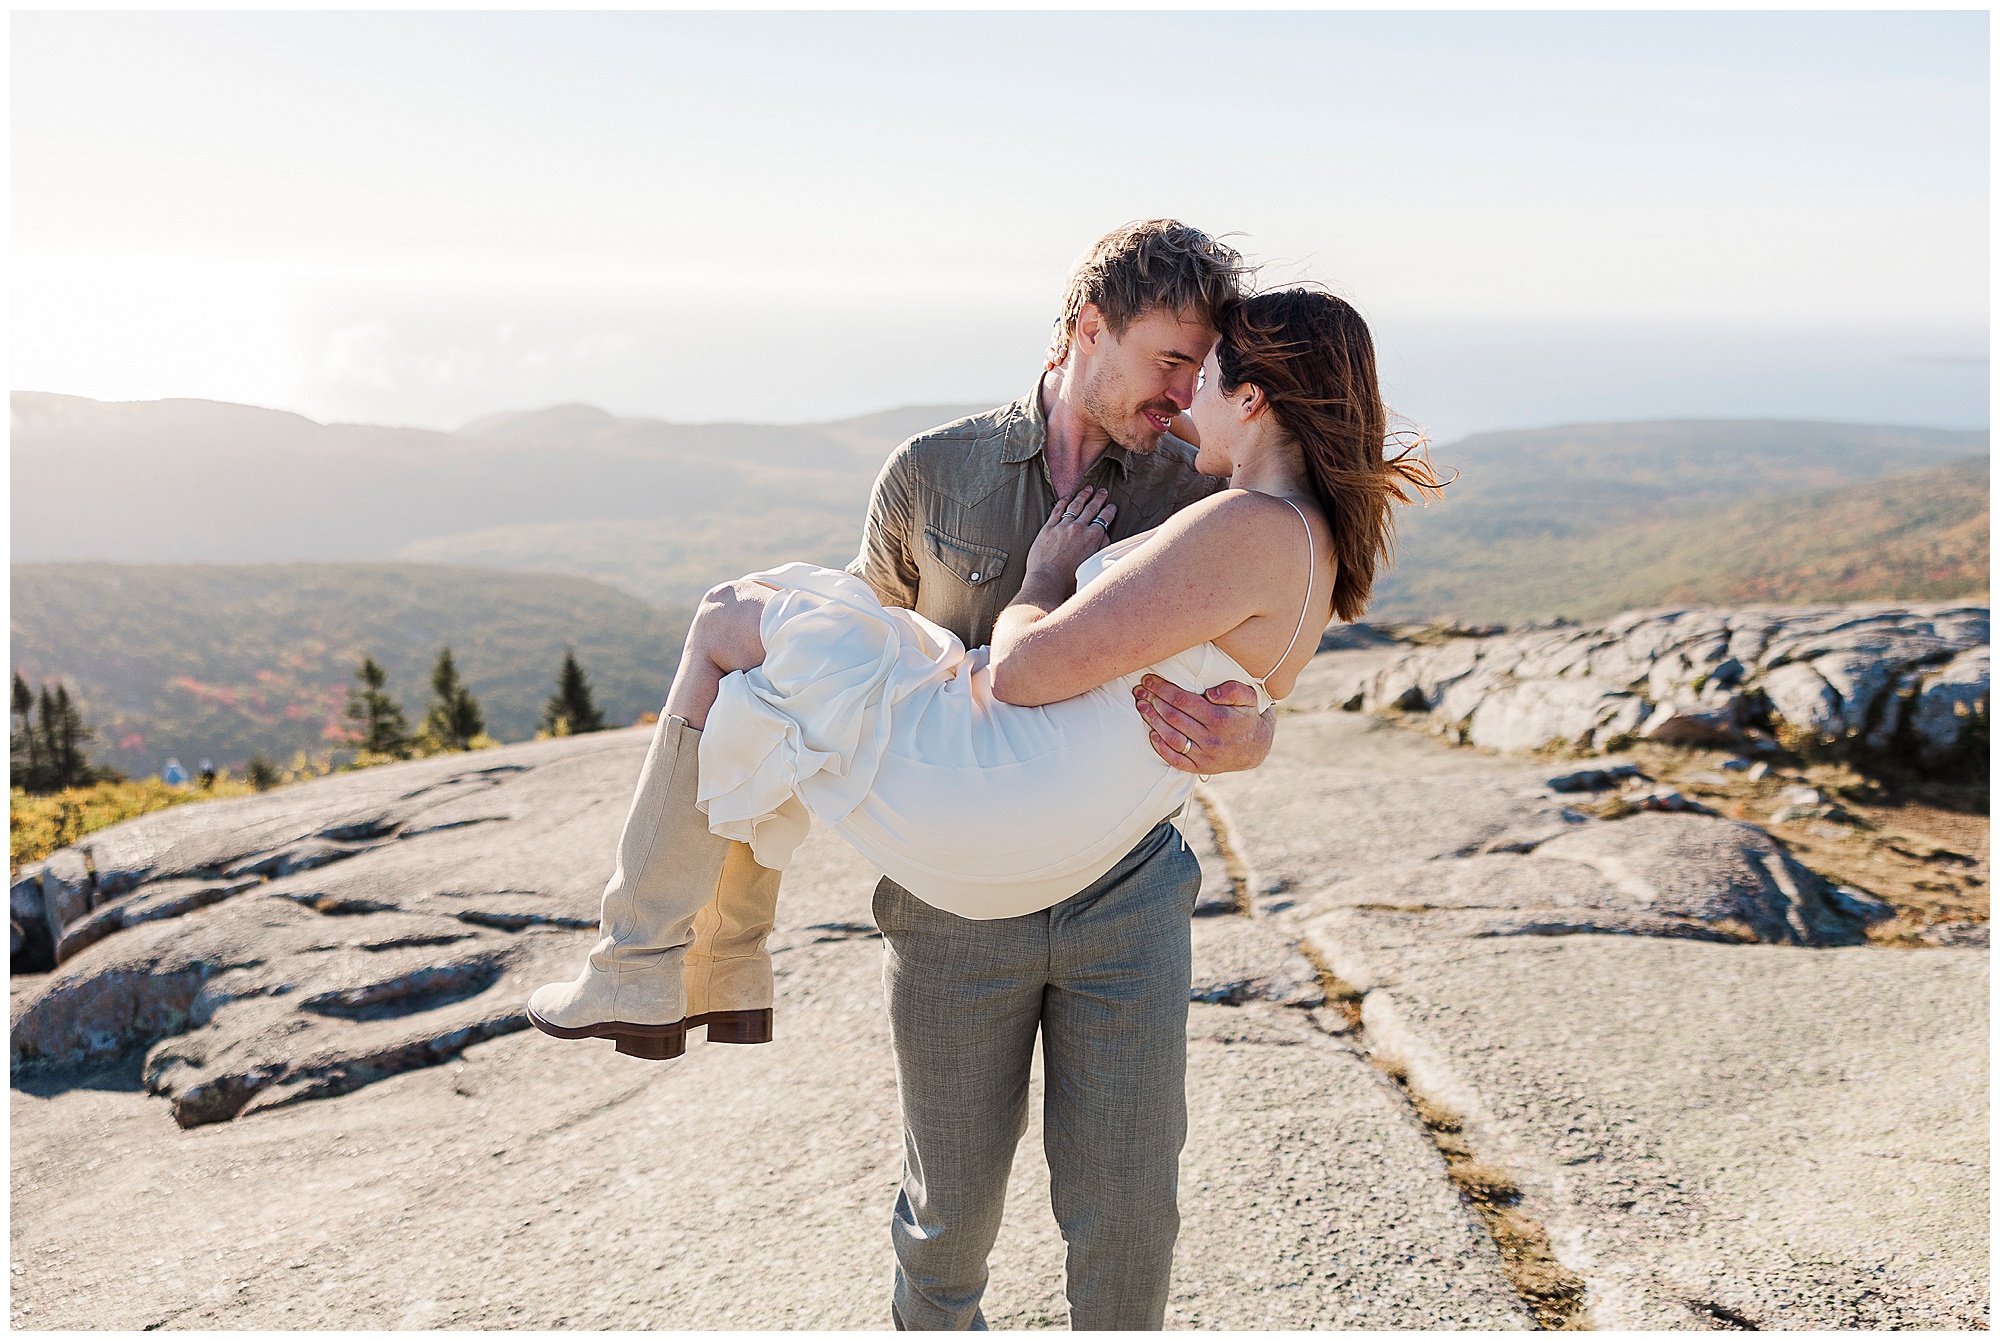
{"x": 423, "y": 218}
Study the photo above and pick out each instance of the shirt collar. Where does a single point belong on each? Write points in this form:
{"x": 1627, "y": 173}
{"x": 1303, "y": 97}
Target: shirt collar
{"x": 1028, "y": 434}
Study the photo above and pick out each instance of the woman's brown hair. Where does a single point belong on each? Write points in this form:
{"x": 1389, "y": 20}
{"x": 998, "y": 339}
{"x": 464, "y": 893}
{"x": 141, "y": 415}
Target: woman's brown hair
{"x": 1311, "y": 355}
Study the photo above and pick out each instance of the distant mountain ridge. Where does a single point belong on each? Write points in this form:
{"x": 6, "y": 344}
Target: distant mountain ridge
{"x": 1538, "y": 522}
{"x": 206, "y": 481}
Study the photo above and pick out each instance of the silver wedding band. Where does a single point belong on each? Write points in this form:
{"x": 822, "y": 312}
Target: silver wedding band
{"x": 1099, "y": 521}
{"x": 1069, "y": 516}
{"x": 1187, "y": 744}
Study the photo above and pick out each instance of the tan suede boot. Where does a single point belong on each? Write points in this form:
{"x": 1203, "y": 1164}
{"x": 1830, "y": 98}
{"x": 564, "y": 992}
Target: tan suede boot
{"x": 727, "y": 969}
{"x": 630, "y": 989}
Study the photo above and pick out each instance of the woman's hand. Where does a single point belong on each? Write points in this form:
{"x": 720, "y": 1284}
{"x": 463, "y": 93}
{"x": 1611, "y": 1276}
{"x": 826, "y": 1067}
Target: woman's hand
{"x": 1078, "y": 528}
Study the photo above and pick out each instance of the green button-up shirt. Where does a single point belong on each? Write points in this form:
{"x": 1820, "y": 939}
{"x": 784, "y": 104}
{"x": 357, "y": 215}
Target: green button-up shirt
{"x": 955, "y": 510}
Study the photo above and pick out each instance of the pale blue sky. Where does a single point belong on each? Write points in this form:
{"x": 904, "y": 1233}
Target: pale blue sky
{"x": 422, "y": 218}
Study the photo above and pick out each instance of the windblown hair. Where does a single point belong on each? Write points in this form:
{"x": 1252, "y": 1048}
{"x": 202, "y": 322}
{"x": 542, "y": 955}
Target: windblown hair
{"x": 1311, "y": 355}
{"x": 1147, "y": 264}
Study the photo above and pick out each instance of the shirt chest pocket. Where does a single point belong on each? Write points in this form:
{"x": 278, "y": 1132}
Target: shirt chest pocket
{"x": 974, "y": 565}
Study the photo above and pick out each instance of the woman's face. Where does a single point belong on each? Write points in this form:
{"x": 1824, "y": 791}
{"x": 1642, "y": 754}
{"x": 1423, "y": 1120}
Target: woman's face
{"x": 1210, "y": 410}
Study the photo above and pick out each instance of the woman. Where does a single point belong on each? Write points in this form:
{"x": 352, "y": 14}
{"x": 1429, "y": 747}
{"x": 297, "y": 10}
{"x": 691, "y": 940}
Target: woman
{"x": 999, "y": 781}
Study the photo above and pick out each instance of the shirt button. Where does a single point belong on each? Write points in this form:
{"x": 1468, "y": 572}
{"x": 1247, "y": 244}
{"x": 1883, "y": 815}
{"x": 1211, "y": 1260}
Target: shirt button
{"x": 975, "y": 577}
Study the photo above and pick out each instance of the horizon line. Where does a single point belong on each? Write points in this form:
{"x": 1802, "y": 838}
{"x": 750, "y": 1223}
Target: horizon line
{"x": 612, "y": 416}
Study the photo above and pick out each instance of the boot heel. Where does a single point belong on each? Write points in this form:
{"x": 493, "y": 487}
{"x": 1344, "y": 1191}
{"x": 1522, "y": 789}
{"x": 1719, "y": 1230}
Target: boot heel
{"x": 739, "y": 1026}
{"x": 664, "y": 1046}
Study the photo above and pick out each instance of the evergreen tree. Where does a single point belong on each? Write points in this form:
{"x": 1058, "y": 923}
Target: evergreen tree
{"x": 377, "y": 717}
{"x": 47, "y": 746}
{"x": 570, "y": 711}
{"x": 26, "y": 768}
{"x": 63, "y": 733}
{"x": 454, "y": 718}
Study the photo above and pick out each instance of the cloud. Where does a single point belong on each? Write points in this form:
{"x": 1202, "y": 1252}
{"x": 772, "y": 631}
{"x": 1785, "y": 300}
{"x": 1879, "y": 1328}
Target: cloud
{"x": 362, "y": 354}
{"x": 371, "y": 355}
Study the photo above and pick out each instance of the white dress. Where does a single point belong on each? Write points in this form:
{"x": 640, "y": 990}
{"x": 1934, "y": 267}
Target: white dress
{"x": 881, "y": 724}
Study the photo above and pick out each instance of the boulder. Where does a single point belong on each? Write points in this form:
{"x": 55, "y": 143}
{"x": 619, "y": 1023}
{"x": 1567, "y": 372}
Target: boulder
{"x": 1890, "y": 678}
{"x": 1801, "y": 698}
{"x": 1395, "y": 840}
{"x": 1950, "y": 708}
{"x": 1683, "y": 876}
{"x": 68, "y": 889}
{"x": 1665, "y": 799}
{"x": 1535, "y": 714}
{"x": 1715, "y": 873}
{"x": 1339, "y": 679}
{"x": 1694, "y": 724}
{"x": 33, "y": 947}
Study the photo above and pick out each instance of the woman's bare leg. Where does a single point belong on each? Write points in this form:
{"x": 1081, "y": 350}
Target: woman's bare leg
{"x": 725, "y": 636}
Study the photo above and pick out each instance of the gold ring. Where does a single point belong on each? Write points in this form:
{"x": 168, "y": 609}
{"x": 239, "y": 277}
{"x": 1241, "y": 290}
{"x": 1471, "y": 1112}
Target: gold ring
{"x": 1187, "y": 744}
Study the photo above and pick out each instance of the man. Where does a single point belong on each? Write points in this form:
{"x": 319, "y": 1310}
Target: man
{"x": 1102, "y": 976}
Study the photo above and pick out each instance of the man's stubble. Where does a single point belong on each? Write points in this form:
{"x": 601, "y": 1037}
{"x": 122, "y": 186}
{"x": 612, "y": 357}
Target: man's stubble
{"x": 1104, "y": 402}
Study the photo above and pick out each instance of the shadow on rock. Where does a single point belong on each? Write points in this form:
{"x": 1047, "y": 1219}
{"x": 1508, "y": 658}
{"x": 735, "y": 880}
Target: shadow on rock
{"x": 122, "y": 1074}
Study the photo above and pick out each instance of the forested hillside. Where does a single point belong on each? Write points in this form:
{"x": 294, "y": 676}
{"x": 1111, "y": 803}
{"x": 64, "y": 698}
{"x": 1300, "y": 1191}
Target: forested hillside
{"x": 230, "y": 661}
{"x": 1539, "y": 521}
{"x": 666, "y": 561}
{"x": 1591, "y": 519}
{"x": 192, "y": 659}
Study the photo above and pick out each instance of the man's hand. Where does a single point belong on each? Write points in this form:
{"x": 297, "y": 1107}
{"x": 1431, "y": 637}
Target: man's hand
{"x": 1217, "y": 732}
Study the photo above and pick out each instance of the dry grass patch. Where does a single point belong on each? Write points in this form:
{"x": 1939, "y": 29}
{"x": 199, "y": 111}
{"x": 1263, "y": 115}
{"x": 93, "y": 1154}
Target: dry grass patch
{"x": 1919, "y": 843}
{"x": 1553, "y": 1293}
{"x": 39, "y": 825}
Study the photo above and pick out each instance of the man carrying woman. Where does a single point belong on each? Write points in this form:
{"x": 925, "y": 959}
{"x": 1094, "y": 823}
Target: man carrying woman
{"x": 1113, "y": 580}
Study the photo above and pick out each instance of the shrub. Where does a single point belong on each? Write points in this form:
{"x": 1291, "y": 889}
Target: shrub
{"x": 40, "y": 824}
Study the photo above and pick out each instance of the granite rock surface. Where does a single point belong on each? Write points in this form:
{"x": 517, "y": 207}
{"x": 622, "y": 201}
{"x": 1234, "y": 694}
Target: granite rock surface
{"x": 1662, "y": 1035}
{"x": 1722, "y": 1106}
{"x": 1902, "y": 679}
{"x": 356, "y": 1024}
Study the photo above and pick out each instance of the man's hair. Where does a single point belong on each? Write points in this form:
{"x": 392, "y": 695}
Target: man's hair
{"x": 1147, "y": 264}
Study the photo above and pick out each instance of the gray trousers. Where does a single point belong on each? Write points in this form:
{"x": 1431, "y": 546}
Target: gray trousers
{"x": 1103, "y": 976}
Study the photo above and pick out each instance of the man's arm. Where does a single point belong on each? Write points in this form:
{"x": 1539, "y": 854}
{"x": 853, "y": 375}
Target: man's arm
{"x": 886, "y": 561}
{"x": 1222, "y": 729}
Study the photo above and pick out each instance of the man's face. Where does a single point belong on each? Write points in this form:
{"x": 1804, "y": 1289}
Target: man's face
{"x": 1133, "y": 384}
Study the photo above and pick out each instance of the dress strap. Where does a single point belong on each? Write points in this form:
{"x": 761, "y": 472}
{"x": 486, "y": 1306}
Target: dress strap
{"x": 1312, "y": 569}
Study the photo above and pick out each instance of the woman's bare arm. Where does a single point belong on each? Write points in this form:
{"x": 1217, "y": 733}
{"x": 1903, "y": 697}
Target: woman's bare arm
{"x": 1206, "y": 571}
